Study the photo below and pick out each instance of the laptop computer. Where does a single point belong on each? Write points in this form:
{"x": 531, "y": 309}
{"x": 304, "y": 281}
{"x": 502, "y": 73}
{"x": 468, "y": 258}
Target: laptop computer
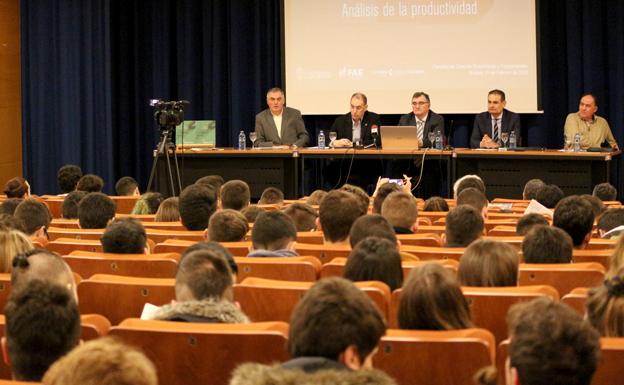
{"x": 399, "y": 137}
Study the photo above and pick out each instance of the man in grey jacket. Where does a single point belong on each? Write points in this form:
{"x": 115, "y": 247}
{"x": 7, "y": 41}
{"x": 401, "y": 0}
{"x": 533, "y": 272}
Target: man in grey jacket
{"x": 279, "y": 125}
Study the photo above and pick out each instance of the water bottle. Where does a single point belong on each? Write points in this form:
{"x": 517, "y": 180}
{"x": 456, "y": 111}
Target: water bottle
{"x": 438, "y": 140}
{"x": 577, "y": 142}
{"x": 242, "y": 140}
{"x": 512, "y": 140}
{"x": 321, "y": 140}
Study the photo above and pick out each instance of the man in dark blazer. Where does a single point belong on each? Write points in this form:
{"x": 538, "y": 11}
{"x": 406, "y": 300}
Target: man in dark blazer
{"x": 356, "y": 125}
{"x": 291, "y": 131}
{"x": 421, "y": 113}
{"x": 497, "y": 116}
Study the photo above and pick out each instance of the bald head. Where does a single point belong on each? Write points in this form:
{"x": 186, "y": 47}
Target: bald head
{"x": 43, "y": 265}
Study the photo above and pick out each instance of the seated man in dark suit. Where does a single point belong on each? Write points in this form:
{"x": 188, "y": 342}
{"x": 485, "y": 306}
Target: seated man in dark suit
{"x": 355, "y": 126}
{"x": 279, "y": 125}
{"x": 423, "y": 118}
{"x": 490, "y": 124}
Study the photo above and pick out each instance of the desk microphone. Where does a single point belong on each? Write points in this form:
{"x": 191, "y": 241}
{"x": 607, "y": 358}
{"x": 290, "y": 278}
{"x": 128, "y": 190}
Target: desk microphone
{"x": 374, "y": 134}
{"x": 448, "y": 146}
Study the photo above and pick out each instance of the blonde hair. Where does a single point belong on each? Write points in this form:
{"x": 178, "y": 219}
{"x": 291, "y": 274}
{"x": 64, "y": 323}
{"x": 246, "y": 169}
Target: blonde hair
{"x": 616, "y": 260}
{"x": 12, "y": 242}
{"x": 168, "y": 211}
{"x": 605, "y": 306}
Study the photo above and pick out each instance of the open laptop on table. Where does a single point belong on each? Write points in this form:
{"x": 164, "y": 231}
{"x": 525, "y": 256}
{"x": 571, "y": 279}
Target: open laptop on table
{"x": 399, "y": 137}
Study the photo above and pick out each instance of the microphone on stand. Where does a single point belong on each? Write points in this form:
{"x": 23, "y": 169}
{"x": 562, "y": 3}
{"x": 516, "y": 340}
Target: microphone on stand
{"x": 448, "y": 146}
{"x": 375, "y": 134}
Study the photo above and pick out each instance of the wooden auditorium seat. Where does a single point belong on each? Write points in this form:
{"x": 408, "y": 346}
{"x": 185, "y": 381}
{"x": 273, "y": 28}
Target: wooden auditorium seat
{"x": 562, "y": 276}
{"x": 601, "y": 244}
{"x": 598, "y": 256}
{"x": 55, "y": 233}
{"x": 420, "y": 239}
{"x": 287, "y": 269}
{"x": 512, "y": 240}
{"x": 427, "y": 253}
{"x": 173, "y": 226}
{"x": 576, "y": 299}
{"x": 161, "y": 235}
{"x": 502, "y": 230}
{"x": 65, "y": 246}
{"x": 173, "y": 246}
{"x": 138, "y": 265}
{"x": 436, "y": 229}
{"x": 55, "y": 205}
{"x": 312, "y": 237}
{"x": 324, "y": 253}
{"x": 336, "y": 267}
{"x": 65, "y": 223}
{"x": 124, "y": 204}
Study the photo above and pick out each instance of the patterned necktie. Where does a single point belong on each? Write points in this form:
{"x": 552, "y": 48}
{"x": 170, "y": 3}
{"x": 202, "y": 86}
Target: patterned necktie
{"x": 495, "y": 134}
{"x": 419, "y": 129}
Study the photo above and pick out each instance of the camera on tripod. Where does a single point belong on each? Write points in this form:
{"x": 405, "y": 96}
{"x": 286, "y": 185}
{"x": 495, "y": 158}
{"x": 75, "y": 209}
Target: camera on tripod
{"x": 168, "y": 114}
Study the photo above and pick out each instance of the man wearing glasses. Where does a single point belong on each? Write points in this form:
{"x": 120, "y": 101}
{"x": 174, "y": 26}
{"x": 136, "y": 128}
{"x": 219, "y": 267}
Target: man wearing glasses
{"x": 423, "y": 118}
{"x": 489, "y": 125}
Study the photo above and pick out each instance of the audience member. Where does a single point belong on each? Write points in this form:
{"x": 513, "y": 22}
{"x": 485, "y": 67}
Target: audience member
{"x": 546, "y": 244}
{"x": 360, "y": 194}
{"x": 43, "y": 265}
{"x": 531, "y": 188}
{"x": 399, "y": 208}
{"x": 68, "y": 177}
{"x": 12, "y": 242}
{"x": 605, "y": 306}
{"x": 215, "y": 248}
{"x": 168, "y": 211}
{"x": 125, "y": 236}
{"x": 611, "y": 223}
{"x": 8, "y": 206}
{"x": 464, "y": 224}
{"x": 251, "y": 213}
{"x": 303, "y": 215}
{"x": 35, "y": 218}
{"x": 273, "y": 235}
{"x": 271, "y": 196}
{"x": 381, "y": 193}
{"x": 468, "y": 181}
{"x": 549, "y": 195}
{"x": 605, "y": 192}
{"x": 127, "y": 186}
{"x": 616, "y": 259}
{"x": 95, "y": 211}
{"x": 473, "y": 197}
{"x": 10, "y": 222}
{"x": 213, "y": 181}
{"x": 70, "y": 204}
{"x": 337, "y": 212}
{"x": 431, "y": 299}
{"x": 436, "y": 204}
{"x": 372, "y": 225}
{"x": 575, "y": 216}
{"x": 597, "y": 206}
{"x": 90, "y": 183}
{"x": 148, "y": 204}
{"x": 227, "y": 226}
{"x": 197, "y": 203}
{"x": 528, "y": 221}
{"x": 316, "y": 197}
{"x": 488, "y": 263}
{"x": 375, "y": 259}
{"x": 235, "y": 195}
{"x": 17, "y": 187}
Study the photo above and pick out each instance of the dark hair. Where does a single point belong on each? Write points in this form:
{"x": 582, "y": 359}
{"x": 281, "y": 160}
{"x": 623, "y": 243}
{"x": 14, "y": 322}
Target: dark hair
{"x": 303, "y": 215}
{"x": 605, "y": 306}
{"x": 471, "y": 182}
{"x": 205, "y": 273}
{"x": 95, "y": 210}
{"x": 419, "y": 94}
{"x": 215, "y": 248}
{"x": 431, "y": 299}
{"x": 472, "y": 197}
{"x": 611, "y": 219}
{"x": 375, "y": 259}
{"x": 551, "y": 344}
{"x": 16, "y": 187}
{"x": 124, "y": 236}
{"x": 8, "y": 206}
{"x": 337, "y": 212}
{"x": 526, "y": 222}
{"x": 400, "y": 209}
{"x": 314, "y": 330}
{"x": 126, "y": 185}
{"x": 499, "y": 93}
{"x": 235, "y": 195}
{"x": 273, "y": 230}
{"x": 197, "y": 204}
{"x": 488, "y": 263}
{"x": 382, "y": 192}
{"x": 168, "y": 210}
{"x": 592, "y": 96}
{"x": 33, "y": 214}
{"x": 271, "y": 195}
{"x": 251, "y": 213}
{"x": 605, "y": 192}
{"x": 436, "y": 204}
{"x": 316, "y": 197}
{"x": 597, "y": 206}
{"x": 546, "y": 244}
{"x": 575, "y": 216}
{"x": 227, "y": 226}
{"x": 70, "y": 204}
{"x": 464, "y": 224}
{"x": 213, "y": 181}
{"x": 371, "y": 225}
{"x": 10, "y": 222}
{"x": 42, "y": 324}
{"x": 90, "y": 183}
{"x": 148, "y": 203}
{"x": 360, "y": 194}
{"x": 549, "y": 195}
{"x": 68, "y": 177}
{"x": 531, "y": 188}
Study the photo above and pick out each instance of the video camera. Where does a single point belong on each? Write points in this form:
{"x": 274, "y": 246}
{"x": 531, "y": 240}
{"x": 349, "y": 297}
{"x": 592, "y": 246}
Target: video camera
{"x": 168, "y": 114}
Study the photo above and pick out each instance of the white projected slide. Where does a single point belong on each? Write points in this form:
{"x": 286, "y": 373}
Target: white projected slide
{"x": 454, "y": 50}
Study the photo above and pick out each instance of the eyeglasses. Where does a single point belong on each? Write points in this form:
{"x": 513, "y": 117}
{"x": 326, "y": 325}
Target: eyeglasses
{"x": 419, "y": 103}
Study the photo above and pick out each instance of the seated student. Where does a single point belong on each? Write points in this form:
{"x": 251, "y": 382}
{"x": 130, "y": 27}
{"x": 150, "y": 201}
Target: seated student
{"x": 42, "y": 325}
{"x": 597, "y": 206}
{"x": 127, "y": 186}
{"x": 337, "y": 212}
{"x": 10, "y": 222}
{"x": 67, "y": 178}
{"x": 303, "y": 215}
{"x": 147, "y": 204}
{"x": 375, "y": 259}
{"x": 12, "y": 243}
{"x": 203, "y": 291}
{"x": 95, "y": 211}
{"x": 227, "y": 226}
{"x": 547, "y": 244}
{"x": 17, "y": 187}
{"x": 431, "y": 299}
{"x": 488, "y": 263}
{"x": 549, "y": 195}
{"x": 235, "y": 195}
{"x": 104, "y": 361}
{"x": 43, "y": 265}
{"x": 605, "y": 192}
{"x": 382, "y": 193}
{"x": 271, "y": 196}
{"x": 473, "y": 197}
{"x": 467, "y": 181}
{"x": 273, "y": 235}
{"x": 611, "y": 223}
{"x": 216, "y": 249}
{"x": 316, "y": 197}
{"x": 168, "y": 211}
{"x": 605, "y": 306}
{"x": 213, "y": 181}
{"x": 321, "y": 352}
{"x": 197, "y": 203}
{"x": 251, "y": 213}
{"x": 464, "y": 224}
{"x": 360, "y": 194}
{"x": 90, "y": 183}
{"x": 372, "y": 225}
{"x": 125, "y": 236}
{"x": 436, "y": 204}
{"x": 35, "y": 218}
{"x": 531, "y": 188}
{"x": 399, "y": 208}
{"x": 8, "y": 206}
{"x": 528, "y": 221}
{"x": 70, "y": 204}
{"x": 575, "y": 216}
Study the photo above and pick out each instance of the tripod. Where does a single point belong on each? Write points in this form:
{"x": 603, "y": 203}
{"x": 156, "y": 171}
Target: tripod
{"x": 163, "y": 148}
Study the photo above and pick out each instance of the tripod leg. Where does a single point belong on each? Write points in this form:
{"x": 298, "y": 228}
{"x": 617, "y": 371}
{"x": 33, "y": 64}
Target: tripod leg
{"x": 159, "y": 149}
{"x": 169, "y": 173}
{"x": 177, "y": 170}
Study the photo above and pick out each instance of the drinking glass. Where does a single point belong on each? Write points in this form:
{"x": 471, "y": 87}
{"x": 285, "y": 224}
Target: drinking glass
{"x": 567, "y": 143}
{"x": 431, "y": 137}
{"x": 332, "y": 138}
{"x": 504, "y": 138}
{"x": 253, "y": 136}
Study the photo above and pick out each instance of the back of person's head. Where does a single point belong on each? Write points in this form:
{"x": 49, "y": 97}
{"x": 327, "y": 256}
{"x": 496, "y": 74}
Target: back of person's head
{"x": 12, "y": 243}
{"x": 34, "y": 215}
{"x": 203, "y": 274}
{"x": 471, "y": 183}
{"x": 124, "y": 236}
{"x": 337, "y": 212}
{"x": 528, "y": 221}
{"x": 43, "y": 265}
{"x": 488, "y": 263}
{"x": 432, "y": 299}
{"x": 168, "y": 211}
{"x": 213, "y": 181}
{"x": 273, "y": 230}
{"x": 472, "y": 197}
{"x": 575, "y": 216}
{"x": 68, "y": 177}
{"x": 436, "y": 204}
{"x": 373, "y": 225}
{"x": 235, "y": 195}
{"x": 551, "y": 344}
{"x": 375, "y": 259}
{"x": 610, "y": 219}
{"x": 549, "y": 195}
{"x": 399, "y": 208}
{"x": 597, "y": 206}
{"x": 251, "y": 212}
{"x": 316, "y": 197}
{"x": 90, "y": 183}
{"x": 360, "y": 194}
{"x": 531, "y": 188}
{"x": 605, "y": 192}
{"x": 227, "y": 226}
{"x": 215, "y": 248}
{"x": 10, "y": 222}
{"x": 271, "y": 196}
{"x": 333, "y": 316}
{"x": 383, "y": 192}
{"x": 303, "y": 215}
{"x": 42, "y": 325}
{"x": 127, "y": 186}
{"x": 148, "y": 204}
{"x": 8, "y": 206}
{"x": 547, "y": 244}
{"x": 197, "y": 204}
{"x": 70, "y": 204}
{"x": 464, "y": 224}
{"x": 104, "y": 361}
{"x": 605, "y": 306}
{"x": 95, "y": 210}
{"x": 17, "y": 187}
